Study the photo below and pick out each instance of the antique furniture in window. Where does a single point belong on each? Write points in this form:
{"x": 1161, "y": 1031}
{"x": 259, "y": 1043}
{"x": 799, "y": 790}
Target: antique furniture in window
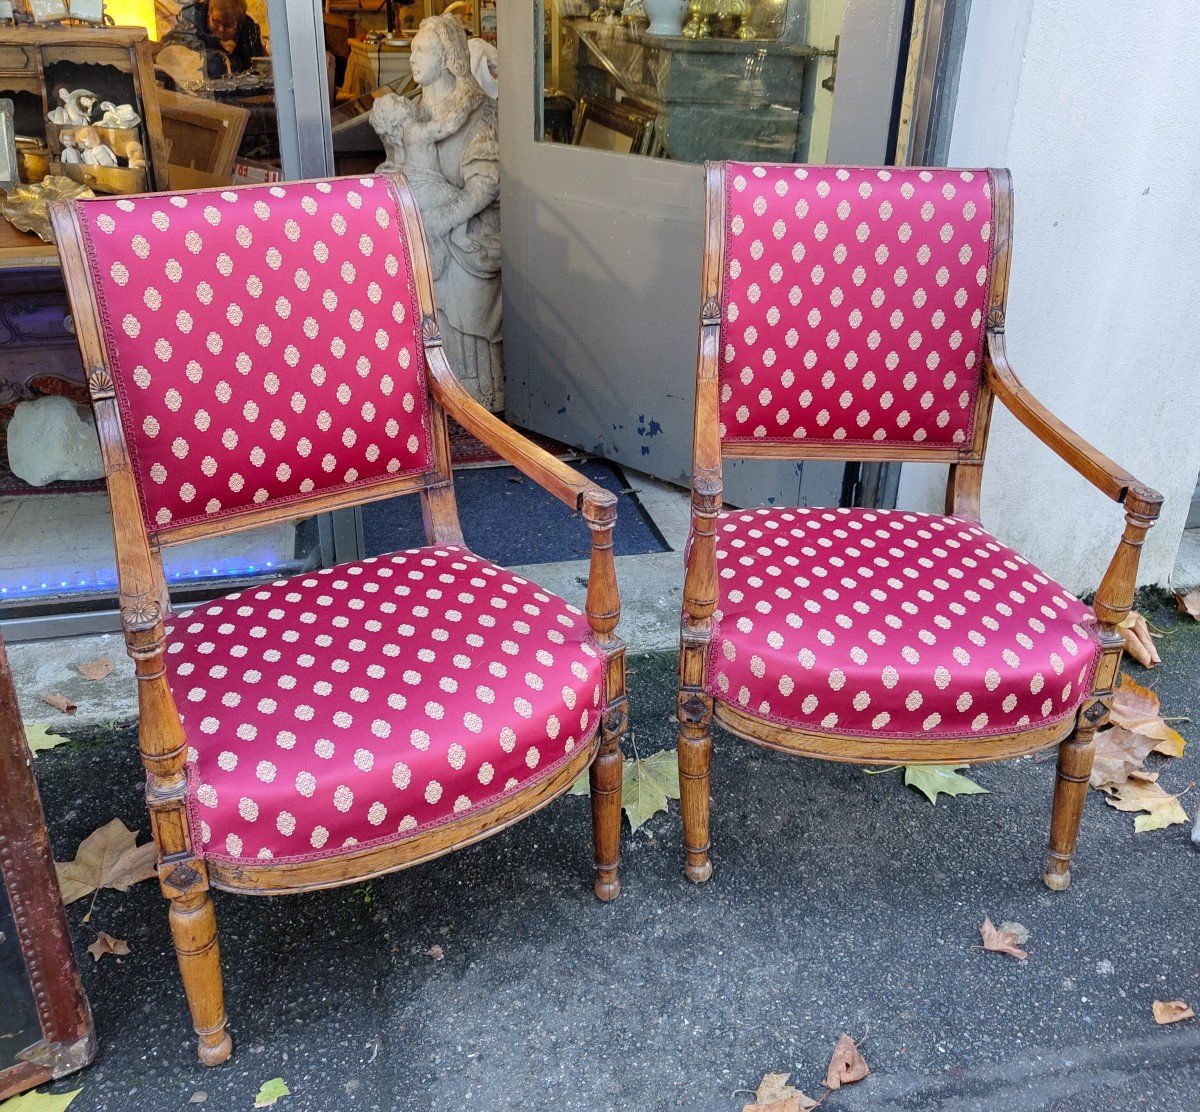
{"x": 266, "y": 353}
{"x": 857, "y": 313}
{"x": 45, "y": 1023}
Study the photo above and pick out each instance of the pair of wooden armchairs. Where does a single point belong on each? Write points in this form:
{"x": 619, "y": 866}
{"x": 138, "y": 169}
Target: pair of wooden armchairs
{"x": 263, "y": 354}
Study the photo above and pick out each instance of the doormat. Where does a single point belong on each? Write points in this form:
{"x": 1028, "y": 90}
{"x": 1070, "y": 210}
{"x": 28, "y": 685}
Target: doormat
{"x": 467, "y": 451}
{"x": 510, "y": 520}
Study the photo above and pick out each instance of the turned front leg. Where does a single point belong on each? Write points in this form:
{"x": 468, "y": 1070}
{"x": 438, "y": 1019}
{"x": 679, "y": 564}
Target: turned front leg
{"x": 603, "y": 613}
{"x": 194, "y": 932}
{"x": 695, "y": 773}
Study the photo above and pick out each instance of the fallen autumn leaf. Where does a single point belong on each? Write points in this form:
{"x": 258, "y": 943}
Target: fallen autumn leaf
{"x": 96, "y": 669}
{"x": 1171, "y": 1011}
{"x": 1189, "y": 603}
{"x": 847, "y": 1064}
{"x": 106, "y": 944}
{"x": 39, "y": 738}
{"x": 935, "y": 780}
{"x": 1162, "y": 809}
{"x": 1137, "y": 708}
{"x": 107, "y": 858}
{"x": 40, "y": 1102}
{"x": 646, "y": 785}
{"x": 1139, "y": 641}
{"x": 271, "y": 1091}
{"x": 59, "y": 703}
{"x": 1000, "y": 941}
{"x": 774, "y": 1094}
{"x": 1119, "y": 752}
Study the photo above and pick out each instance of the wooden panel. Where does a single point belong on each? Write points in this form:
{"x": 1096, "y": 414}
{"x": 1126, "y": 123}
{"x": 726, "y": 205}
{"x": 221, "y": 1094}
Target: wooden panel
{"x": 45, "y": 1025}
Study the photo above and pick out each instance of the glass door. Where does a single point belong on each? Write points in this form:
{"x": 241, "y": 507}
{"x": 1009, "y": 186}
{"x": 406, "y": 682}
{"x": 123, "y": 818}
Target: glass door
{"x": 610, "y": 109}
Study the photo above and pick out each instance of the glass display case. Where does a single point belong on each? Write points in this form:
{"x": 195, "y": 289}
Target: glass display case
{"x": 713, "y": 79}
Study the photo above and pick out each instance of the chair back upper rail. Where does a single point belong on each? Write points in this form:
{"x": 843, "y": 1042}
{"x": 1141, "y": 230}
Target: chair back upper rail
{"x": 965, "y": 454}
{"x": 431, "y": 477}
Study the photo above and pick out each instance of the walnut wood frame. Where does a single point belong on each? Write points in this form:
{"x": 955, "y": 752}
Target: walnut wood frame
{"x": 184, "y": 875}
{"x": 1114, "y": 597}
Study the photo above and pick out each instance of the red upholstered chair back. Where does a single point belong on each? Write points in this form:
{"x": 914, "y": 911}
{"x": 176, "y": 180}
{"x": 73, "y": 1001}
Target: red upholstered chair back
{"x": 852, "y": 306}
{"x": 264, "y": 345}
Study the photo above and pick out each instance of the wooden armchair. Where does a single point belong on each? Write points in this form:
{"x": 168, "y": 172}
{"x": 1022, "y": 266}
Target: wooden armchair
{"x": 263, "y": 354}
{"x": 858, "y": 313}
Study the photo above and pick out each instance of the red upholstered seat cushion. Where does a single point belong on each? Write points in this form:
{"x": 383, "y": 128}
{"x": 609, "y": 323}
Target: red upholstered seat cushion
{"x": 364, "y": 703}
{"x": 886, "y": 623}
{"x": 854, "y": 303}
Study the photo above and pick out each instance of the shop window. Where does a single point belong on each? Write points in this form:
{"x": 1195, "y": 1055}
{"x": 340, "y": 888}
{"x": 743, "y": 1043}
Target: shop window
{"x": 709, "y": 79}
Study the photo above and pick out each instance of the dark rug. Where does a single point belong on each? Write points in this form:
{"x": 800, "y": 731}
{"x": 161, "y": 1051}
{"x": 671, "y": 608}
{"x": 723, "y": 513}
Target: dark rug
{"x": 510, "y": 520}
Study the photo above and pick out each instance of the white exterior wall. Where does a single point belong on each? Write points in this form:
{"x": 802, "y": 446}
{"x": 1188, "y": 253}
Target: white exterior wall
{"x": 1095, "y": 108}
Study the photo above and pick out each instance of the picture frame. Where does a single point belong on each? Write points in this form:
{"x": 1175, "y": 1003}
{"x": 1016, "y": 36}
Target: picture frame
{"x": 88, "y": 11}
{"x": 608, "y": 125}
{"x": 48, "y": 11}
{"x": 9, "y": 172}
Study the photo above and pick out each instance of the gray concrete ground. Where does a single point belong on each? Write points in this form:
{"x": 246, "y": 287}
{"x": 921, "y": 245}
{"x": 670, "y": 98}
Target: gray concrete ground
{"x": 840, "y": 902}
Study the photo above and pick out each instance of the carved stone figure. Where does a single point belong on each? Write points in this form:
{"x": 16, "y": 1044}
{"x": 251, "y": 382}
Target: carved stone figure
{"x": 447, "y": 144}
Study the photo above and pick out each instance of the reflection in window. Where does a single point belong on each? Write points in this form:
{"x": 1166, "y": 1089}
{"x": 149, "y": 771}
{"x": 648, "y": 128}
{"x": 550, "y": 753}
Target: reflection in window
{"x": 709, "y": 79}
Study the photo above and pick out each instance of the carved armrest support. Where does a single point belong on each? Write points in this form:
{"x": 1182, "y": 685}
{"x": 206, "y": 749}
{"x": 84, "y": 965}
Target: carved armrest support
{"x": 1102, "y": 472}
{"x": 1114, "y": 596}
{"x": 550, "y": 473}
{"x": 603, "y": 598}
{"x": 700, "y": 576}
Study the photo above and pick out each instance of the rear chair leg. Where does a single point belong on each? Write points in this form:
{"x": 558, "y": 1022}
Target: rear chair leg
{"x": 194, "y": 932}
{"x": 695, "y": 769}
{"x": 1070, "y": 789}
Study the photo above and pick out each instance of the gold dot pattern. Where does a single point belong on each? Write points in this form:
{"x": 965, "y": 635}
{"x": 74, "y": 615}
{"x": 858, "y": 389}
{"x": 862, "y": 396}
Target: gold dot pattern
{"x": 883, "y": 623}
{"x": 854, "y": 303}
{"x": 264, "y": 342}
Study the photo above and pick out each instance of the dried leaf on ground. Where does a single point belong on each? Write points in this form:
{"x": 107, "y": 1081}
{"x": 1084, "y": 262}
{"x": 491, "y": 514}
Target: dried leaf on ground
{"x": 646, "y": 785}
{"x": 270, "y": 1092}
{"x": 774, "y": 1094}
{"x": 1137, "y": 708}
{"x": 1189, "y": 603}
{"x": 935, "y": 780}
{"x": 107, "y": 858}
{"x": 60, "y": 702}
{"x": 40, "y": 1102}
{"x": 198, "y": 1097}
{"x": 96, "y": 669}
{"x": 1001, "y": 941}
{"x": 39, "y": 738}
{"x": 1172, "y": 1011}
{"x": 1119, "y": 754}
{"x": 1162, "y": 809}
{"x": 106, "y": 944}
{"x": 435, "y": 952}
{"x": 846, "y": 1065}
{"x": 1139, "y": 641}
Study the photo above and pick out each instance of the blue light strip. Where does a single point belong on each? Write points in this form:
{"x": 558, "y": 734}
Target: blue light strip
{"x": 99, "y": 582}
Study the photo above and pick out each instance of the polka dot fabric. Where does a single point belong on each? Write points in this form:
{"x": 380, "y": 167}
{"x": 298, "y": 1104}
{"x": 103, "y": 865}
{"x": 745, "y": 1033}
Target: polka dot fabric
{"x": 854, "y": 304}
{"x": 264, "y": 342}
{"x": 365, "y": 703}
{"x": 883, "y": 623}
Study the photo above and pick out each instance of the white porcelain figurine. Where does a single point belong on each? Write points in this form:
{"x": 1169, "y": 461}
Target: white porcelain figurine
{"x": 118, "y": 115}
{"x": 92, "y": 149}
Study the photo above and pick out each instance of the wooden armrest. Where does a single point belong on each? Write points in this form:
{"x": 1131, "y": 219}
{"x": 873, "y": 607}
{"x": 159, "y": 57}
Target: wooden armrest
{"x": 564, "y": 482}
{"x": 1102, "y": 472}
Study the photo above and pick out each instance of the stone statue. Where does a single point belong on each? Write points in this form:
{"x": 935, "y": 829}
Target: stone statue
{"x": 447, "y": 144}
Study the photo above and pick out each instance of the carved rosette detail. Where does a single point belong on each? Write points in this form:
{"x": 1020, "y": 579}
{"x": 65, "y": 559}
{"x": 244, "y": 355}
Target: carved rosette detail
{"x": 995, "y": 319}
{"x": 431, "y": 334}
{"x": 710, "y": 312}
{"x": 100, "y": 384}
{"x": 142, "y": 614}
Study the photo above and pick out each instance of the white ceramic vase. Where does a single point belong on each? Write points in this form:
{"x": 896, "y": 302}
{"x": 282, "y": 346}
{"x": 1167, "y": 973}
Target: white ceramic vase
{"x": 666, "y": 16}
